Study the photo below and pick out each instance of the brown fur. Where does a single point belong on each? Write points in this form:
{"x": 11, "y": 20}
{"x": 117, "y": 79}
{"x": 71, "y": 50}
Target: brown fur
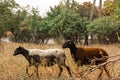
{"x": 86, "y": 55}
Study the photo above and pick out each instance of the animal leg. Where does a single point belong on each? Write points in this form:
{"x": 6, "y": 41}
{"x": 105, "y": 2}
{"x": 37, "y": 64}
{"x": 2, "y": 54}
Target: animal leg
{"x": 27, "y": 71}
{"x": 68, "y": 69}
{"x": 99, "y": 76}
{"x": 60, "y": 70}
{"x": 104, "y": 67}
{"x": 36, "y": 66}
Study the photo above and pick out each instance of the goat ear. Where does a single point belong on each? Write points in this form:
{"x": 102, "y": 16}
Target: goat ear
{"x": 70, "y": 42}
{"x": 20, "y": 47}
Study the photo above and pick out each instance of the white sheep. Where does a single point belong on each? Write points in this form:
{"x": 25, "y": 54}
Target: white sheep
{"x": 49, "y": 56}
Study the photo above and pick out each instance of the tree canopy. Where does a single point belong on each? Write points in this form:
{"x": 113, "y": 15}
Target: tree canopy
{"x": 69, "y": 19}
{"x": 105, "y": 25}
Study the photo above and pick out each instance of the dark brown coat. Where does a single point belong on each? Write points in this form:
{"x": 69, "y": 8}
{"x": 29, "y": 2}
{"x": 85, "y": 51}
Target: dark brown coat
{"x": 86, "y": 55}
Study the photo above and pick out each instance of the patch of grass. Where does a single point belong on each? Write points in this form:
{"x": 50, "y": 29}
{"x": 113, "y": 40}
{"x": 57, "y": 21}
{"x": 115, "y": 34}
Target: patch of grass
{"x": 13, "y": 68}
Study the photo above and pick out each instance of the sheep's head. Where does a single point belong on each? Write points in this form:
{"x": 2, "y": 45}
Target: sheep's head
{"x": 68, "y": 44}
{"x": 18, "y": 50}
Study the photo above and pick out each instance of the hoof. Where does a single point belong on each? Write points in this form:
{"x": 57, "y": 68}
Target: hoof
{"x": 30, "y": 75}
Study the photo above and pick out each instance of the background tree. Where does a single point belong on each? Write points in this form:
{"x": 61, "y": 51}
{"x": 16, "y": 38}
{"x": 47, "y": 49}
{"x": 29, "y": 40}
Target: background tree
{"x": 117, "y": 10}
{"x": 100, "y": 9}
{"x": 68, "y": 20}
{"x": 109, "y": 8}
{"x": 105, "y": 26}
{"x": 92, "y": 10}
{"x": 7, "y": 16}
{"x": 65, "y": 22}
{"x": 86, "y": 8}
{"x": 29, "y": 26}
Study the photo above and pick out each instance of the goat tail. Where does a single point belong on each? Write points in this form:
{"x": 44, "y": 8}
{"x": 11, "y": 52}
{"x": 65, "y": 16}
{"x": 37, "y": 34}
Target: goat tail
{"x": 103, "y": 52}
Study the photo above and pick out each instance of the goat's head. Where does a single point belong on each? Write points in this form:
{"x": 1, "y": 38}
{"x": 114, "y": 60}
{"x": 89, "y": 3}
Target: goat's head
{"x": 68, "y": 44}
{"x": 18, "y": 50}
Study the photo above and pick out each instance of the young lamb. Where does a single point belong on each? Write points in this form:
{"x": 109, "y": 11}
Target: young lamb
{"x": 84, "y": 56}
{"x": 51, "y": 56}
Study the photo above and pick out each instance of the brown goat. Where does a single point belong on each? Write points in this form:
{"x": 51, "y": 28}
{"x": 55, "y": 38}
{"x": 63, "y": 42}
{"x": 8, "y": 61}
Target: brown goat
{"x": 87, "y": 55}
{"x": 84, "y": 56}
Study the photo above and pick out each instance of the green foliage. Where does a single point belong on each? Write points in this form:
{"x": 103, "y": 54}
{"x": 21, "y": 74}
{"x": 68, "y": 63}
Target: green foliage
{"x": 117, "y": 10}
{"x": 104, "y": 25}
{"x": 109, "y": 8}
{"x": 7, "y": 17}
{"x": 62, "y": 21}
{"x": 17, "y": 19}
{"x": 29, "y": 24}
{"x": 29, "y": 21}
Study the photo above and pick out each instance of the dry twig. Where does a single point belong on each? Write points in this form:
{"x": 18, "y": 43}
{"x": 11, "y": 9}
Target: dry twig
{"x": 112, "y": 59}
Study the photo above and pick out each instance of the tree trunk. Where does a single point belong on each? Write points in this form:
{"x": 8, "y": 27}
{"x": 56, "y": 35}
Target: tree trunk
{"x": 100, "y": 9}
{"x": 92, "y": 40}
{"x": 86, "y": 39}
{"x": 118, "y": 37}
{"x": 68, "y": 3}
{"x": 92, "y": 10}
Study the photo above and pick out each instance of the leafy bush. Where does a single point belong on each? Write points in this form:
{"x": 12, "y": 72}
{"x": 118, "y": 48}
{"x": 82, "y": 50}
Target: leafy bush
{"x": 105, "y": 25}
